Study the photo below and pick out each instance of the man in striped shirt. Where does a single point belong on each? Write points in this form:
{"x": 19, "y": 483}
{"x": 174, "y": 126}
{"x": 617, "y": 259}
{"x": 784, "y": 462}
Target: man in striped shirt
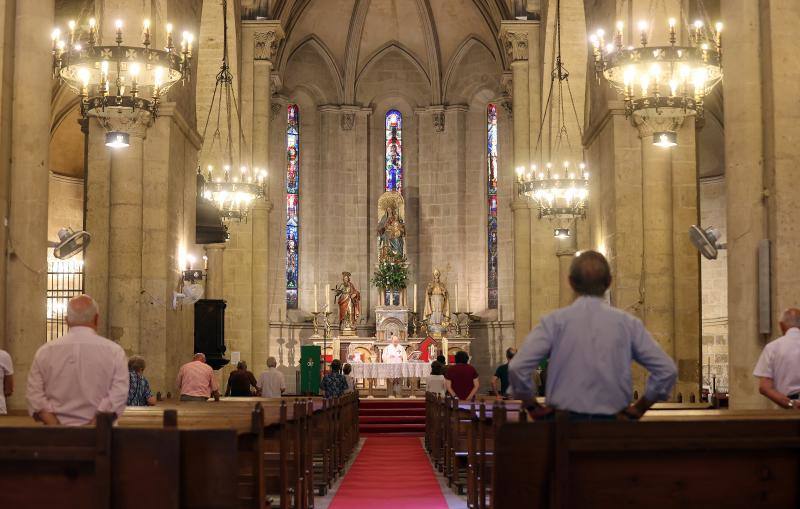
{"x": 196, "y": 380}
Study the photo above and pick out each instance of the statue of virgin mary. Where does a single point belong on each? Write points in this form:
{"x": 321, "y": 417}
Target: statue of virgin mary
{"x": 391, "y": 226}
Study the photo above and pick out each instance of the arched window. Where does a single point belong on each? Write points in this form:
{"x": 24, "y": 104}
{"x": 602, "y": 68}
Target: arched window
{"x": 491, "y": 168}
{"x": 394, "y": 151}
{"x": 292, "y": 205}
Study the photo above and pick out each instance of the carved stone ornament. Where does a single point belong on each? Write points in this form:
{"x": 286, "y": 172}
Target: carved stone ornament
{"x": 265, "y": 44}
{"x": 438, "y": 121}
{"x": 517, "y": 45}
{"x": 275, "y": 109}
{"x": 348, "y": 120}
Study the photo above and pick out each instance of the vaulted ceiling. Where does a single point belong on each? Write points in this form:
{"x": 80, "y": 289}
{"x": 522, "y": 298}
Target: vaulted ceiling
{"x": 351, "y": 34}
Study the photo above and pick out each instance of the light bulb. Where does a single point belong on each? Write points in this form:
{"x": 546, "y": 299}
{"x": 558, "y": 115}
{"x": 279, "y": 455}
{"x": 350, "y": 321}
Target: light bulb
{"x": 118, "y": 24}
{"x": 601, "y": 33}
{"x": 698, "y": 24}
{"x": 672, "y": 22}
{"x": 92, "y": 22}
{"x": 620, "y": 25}
{"x": 71, "y": 25}
{"x": 643, "y": 25}
{"x": 146, "y": 24}
{"x": 169, "y": 28}
{"x": 718, "y": 26}
{"x": 55, "y": 34}
{"x": 134, "y": 69}
{"x": 83, "y": 74}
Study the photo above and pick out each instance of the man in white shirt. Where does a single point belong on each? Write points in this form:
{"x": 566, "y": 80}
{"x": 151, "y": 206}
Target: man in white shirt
{"x": 6, "y": 380}
{"x": 271, "y": 383}
{"x": 79, "y": 374}
{"x": 778, "y": 368}
{"x": 394, "y": 353}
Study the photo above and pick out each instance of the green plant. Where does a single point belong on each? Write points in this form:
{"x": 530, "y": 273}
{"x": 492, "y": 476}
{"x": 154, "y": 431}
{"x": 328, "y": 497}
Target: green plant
{"x": 391, "y": 273}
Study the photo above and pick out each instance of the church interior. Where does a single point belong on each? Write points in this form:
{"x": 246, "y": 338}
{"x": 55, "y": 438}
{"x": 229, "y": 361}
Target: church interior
{"x": 298, "y": 185}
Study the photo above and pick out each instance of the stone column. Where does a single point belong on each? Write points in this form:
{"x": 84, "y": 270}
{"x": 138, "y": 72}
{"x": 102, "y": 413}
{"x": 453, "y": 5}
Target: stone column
{"x": 516, "y": 34}
{"x": 657, "y": 239}
{"x": 214, "y": 274}
{"x": 26, "y": 265}
{"x": 125, "y": 242}
{"x": 263, "y": 37}
{"x": 565, "y": 251}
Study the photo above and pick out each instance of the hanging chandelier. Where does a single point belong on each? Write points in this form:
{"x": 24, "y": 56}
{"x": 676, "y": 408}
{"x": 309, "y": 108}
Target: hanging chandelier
{"x": 559, "y": 188}
{"x": 670, "y": 82}
{"x": 233, "y": 192}
{"x": 119, "y": 84}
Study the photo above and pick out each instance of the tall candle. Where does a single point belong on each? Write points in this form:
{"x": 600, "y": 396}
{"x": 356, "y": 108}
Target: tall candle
{"x": 327, "y": 297}
{"x": 468, "y": 297}
{"x": 315, "y": 298}
{"x": 456, "y": 297}
{"x": 415, "y": 298}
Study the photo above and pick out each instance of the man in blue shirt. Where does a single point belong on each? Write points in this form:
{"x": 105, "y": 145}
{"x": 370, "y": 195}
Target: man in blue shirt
{"x": 590, "y": 347}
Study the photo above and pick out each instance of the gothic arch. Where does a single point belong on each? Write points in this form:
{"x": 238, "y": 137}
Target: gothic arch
{"x": 322, "y": 50}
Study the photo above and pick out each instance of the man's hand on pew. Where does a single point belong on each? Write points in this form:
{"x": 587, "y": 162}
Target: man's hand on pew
{"x": 215, "y": 395}
{"x": 46, "y": 418}
{"x": 537, "y": 411}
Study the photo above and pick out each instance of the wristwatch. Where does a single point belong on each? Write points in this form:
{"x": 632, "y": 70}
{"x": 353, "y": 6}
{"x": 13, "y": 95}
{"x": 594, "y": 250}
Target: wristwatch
{"x": 791, "y": 403}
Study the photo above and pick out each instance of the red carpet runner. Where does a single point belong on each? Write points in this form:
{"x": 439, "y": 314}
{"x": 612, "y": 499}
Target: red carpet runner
{"x": 390, "y": 473}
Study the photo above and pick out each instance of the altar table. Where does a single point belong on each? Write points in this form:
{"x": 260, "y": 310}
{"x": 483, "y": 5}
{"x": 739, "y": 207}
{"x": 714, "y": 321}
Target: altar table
{"x": 390, "y": 370}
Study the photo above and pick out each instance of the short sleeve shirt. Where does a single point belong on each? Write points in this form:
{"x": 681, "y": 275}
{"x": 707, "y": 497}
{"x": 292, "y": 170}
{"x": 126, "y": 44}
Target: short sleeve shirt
{"x": 334, "y": 385}
{"x": 502, "y": 374}
{"x": 461, "y": 377}
{"x": 138, "y": 390}
{"x": 6, "y": 369}
{"x": 780, "y": 361}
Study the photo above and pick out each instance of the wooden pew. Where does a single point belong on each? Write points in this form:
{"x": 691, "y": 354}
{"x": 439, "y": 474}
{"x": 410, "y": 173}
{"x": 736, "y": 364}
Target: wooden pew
{"x": 672, "y": 458}
{"x": 103, "y": 466}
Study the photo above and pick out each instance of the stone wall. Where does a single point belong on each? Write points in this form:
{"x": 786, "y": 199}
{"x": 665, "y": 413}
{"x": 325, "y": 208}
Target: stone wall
{"x": 714, "y": 282}
{"x": 65, "y": 207}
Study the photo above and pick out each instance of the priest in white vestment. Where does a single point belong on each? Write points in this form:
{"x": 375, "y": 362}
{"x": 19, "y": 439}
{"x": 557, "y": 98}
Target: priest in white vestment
{"x": 394, "y": 353}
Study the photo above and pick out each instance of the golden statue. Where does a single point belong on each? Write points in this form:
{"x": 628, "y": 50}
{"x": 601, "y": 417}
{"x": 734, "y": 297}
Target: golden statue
{"x": 437, "y": 305}
{"x": 391, "y": 226}
{"x": 349, "y": 300}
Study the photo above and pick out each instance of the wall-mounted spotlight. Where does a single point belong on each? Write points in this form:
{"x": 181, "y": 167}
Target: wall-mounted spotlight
{"x": 561, "y": 233}
{"x": 118, "y": 139}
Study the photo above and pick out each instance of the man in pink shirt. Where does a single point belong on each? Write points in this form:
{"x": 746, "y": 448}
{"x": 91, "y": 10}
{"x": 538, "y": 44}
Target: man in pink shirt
{"x": 79, "y": 374}
{"x": 196, "y": 380}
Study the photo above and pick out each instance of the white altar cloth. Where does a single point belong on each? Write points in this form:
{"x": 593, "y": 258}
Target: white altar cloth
{"x": 390, "y": 370}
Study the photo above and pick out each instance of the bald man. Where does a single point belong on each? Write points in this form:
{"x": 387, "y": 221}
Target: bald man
{"x": 778, "y": 368}
{"x": 79, "y": 374}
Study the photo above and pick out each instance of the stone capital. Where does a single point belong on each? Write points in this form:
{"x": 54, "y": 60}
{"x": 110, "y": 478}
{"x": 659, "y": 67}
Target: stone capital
{"x": 267, "y": 37}
{"x": 215, "y": 247}
{"x": 517, "y": 36}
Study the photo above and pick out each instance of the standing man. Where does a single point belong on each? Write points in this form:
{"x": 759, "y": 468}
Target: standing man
{"x": 461, "y": 378}
{"x": 79, "y": 374}
{"x": 501, "y": 374}
{"x": 6, "y": 380}
{"x": 196, "y": 380}
{"x": 778, "y": 368}
{"x": 241, "y": 382}
{"x": 395, "y": 353}
{"x": 590, "y": 346}
{"x": 271, "y": 383}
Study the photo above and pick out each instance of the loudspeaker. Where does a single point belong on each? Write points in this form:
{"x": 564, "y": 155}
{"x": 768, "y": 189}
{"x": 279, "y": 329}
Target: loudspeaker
{"x": 209, "y": 331}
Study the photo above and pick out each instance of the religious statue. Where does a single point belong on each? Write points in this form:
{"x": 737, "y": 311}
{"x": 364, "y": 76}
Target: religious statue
{"x": 349, "y": 300}
{"x": 437, "y": 305}
{"x": 391, "y": 226}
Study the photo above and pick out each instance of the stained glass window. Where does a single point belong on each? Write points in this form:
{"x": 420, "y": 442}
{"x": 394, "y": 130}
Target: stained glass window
{"x": 394, "y": 151}
{"x": 491, "y": 167}
{"x": 292, "y": 204}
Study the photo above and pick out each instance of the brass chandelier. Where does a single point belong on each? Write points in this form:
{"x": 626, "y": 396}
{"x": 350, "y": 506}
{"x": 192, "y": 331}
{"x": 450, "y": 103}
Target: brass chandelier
{"x": 232, "y": 187}
{"x": 559, "y": 187}
{"x": 117, "y": 83}
{"x": 666, "y": 82}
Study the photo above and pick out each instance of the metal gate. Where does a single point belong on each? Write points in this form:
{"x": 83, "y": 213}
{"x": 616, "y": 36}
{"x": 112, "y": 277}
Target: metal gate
{"x": 64, "y": 281}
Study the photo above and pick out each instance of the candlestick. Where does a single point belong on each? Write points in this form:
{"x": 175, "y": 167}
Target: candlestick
{"x": 315, "y": 298}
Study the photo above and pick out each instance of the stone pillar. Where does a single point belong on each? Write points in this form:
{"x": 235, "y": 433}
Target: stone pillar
{"x": 516, "y": 34}
{"x": 657, "y": 239}
{"x": 125, "y": 242}
{"x": 214, "y": 274}
{"x": 262, "y": 38}
{"x": 566, "y": 253}
{"x": 26, "y": 251}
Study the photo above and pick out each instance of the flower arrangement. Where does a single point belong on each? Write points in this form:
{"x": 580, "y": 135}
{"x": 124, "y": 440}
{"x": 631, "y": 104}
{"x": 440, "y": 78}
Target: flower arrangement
{"x": 391, "y": 273}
